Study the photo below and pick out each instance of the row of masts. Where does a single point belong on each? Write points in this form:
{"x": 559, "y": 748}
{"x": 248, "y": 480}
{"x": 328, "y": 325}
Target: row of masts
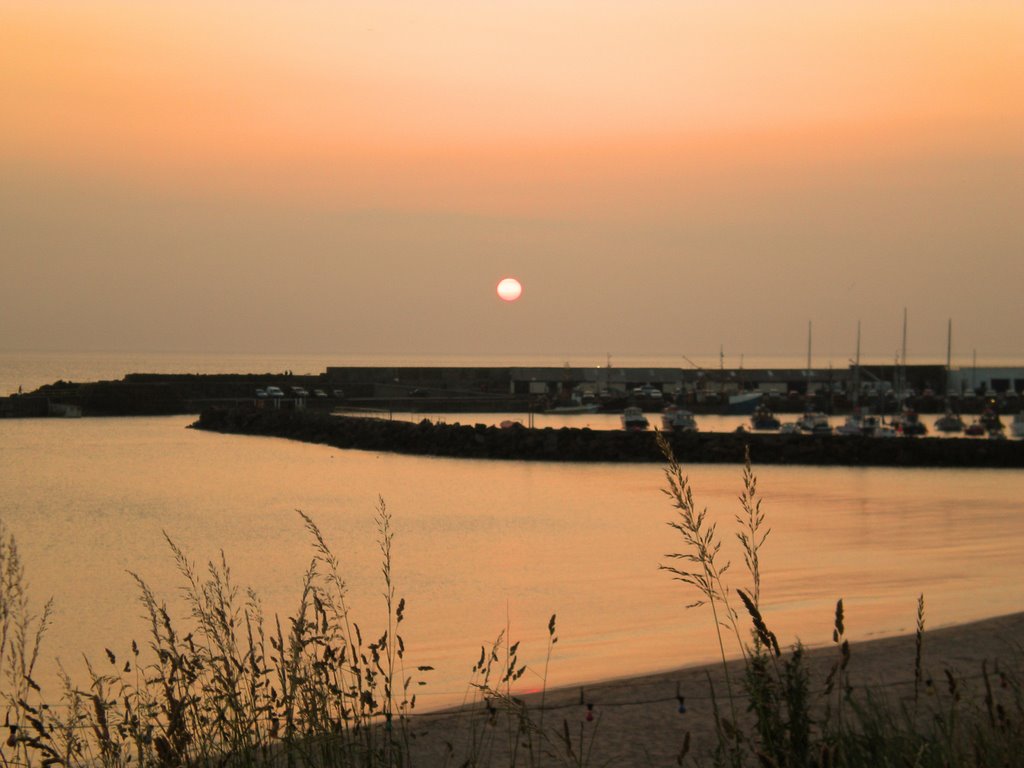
{"x": 900, "y": 365}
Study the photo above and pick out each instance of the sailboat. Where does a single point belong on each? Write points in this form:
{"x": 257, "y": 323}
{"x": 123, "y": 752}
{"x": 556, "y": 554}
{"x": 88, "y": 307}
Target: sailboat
{"x": 949, "y": 422}
{"x": 906, "y": 422}
{"x": 854, "y": 424}
{"x": 862, "y": 421}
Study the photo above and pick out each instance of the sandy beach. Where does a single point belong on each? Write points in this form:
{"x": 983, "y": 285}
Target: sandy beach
{"x": 637, "y": 721}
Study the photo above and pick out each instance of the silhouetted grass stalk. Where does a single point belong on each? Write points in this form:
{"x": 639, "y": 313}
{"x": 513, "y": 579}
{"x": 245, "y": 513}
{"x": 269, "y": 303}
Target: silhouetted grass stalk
{"x": 21, "y": 637}
{"x": 217, "y": 695}
{"x": 702, "y": 549}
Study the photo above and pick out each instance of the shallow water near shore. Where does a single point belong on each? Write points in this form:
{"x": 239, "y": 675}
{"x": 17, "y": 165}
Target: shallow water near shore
{"x": 482, "y": 546}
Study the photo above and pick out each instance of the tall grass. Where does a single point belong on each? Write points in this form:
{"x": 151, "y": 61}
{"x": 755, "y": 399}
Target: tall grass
{"x": 227, "y": 689}
{"x": 789, "y": 718}
{"x": 21, "y": 637}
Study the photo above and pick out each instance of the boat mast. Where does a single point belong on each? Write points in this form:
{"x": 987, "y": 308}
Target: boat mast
{"x": 808, "y": 349}
{"x": 903, "y": 358}
{"x": 949, "y": 354}
{"x": 807, "y": 374}
{"x": 721, "y": 368}
{"x": 856, "y": 371}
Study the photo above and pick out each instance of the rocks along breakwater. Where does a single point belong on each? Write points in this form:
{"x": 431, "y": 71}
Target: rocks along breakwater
{"x": 481, "y": 441}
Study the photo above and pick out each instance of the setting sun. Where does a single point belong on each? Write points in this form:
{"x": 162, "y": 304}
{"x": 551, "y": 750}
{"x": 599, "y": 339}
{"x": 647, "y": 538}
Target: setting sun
{"x": 509, "y": 289}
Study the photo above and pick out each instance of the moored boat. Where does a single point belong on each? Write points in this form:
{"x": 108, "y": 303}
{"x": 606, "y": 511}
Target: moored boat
{"x": 744, "y": 403}
{"x": 950, "y": 423}
{"x": 675, "y": 419}
{"x": 873, "y": 426}
{"x": 852, "y": 426}
{"x": 987, "y": 423}
{"x": 806, "y": 421}
{"x": 763, "y": 418}
{"x": 990, "y": 420}
{"x": 907, "y": 423}
{"x": 633, "y": 419}
{"x": 814, "y": 422}
{"x": 820, "y": 425}
{"x": 865, "y": 425}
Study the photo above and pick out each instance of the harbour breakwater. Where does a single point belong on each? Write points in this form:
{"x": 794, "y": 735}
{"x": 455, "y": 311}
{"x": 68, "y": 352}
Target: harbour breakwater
{"x": 586, "y": 445}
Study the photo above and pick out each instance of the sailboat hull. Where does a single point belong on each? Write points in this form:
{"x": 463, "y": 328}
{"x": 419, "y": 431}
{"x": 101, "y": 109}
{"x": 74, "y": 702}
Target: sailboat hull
{"x": 744, "y": 404}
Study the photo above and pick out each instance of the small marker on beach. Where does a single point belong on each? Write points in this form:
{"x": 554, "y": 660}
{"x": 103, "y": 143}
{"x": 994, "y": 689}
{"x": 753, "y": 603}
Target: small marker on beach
{"x": 682, "y": 701}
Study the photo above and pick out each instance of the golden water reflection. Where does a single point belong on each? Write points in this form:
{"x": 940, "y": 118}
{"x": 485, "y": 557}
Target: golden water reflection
{"x": 485, "y": 544}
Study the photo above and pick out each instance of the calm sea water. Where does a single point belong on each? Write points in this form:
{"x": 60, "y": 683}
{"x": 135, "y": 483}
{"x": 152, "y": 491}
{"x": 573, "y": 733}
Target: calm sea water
{"x": 481, "y": 546}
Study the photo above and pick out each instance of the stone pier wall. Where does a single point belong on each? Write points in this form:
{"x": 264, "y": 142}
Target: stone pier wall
{"x": 566, "y": 444}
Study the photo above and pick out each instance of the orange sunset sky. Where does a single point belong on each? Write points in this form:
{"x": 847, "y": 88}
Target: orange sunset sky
{"x": 663, "y": 177}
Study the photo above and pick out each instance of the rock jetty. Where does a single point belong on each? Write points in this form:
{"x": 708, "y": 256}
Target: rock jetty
{"x": 481, "y": 441}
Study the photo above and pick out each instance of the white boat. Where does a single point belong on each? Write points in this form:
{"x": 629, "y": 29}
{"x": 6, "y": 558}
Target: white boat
{"x": 866, "y": 424}
{"x": 675, "y": 419}
{"x": 648, "y": 391}
{"x": 815, "y": 423}
{"x": 820, "y": 425}
{"x": 633, "y": 418}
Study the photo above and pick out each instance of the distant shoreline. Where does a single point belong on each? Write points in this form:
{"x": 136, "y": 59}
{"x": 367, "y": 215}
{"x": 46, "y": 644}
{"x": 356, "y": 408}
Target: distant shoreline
{"x": 504, "y": 389}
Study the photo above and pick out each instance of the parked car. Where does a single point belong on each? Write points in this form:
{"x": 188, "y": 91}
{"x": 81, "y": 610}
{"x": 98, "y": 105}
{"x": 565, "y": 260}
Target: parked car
{"x": 275, "y": 392}
{"x": 339, "y": 393}
{"x": 319, "y": 393}
{"x": 261, "y": 393}
{"x": 300, "y": 392}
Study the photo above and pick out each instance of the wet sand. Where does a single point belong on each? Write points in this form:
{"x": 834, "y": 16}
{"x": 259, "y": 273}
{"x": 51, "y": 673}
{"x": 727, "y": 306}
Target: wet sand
{"x": 637, "y": 722}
